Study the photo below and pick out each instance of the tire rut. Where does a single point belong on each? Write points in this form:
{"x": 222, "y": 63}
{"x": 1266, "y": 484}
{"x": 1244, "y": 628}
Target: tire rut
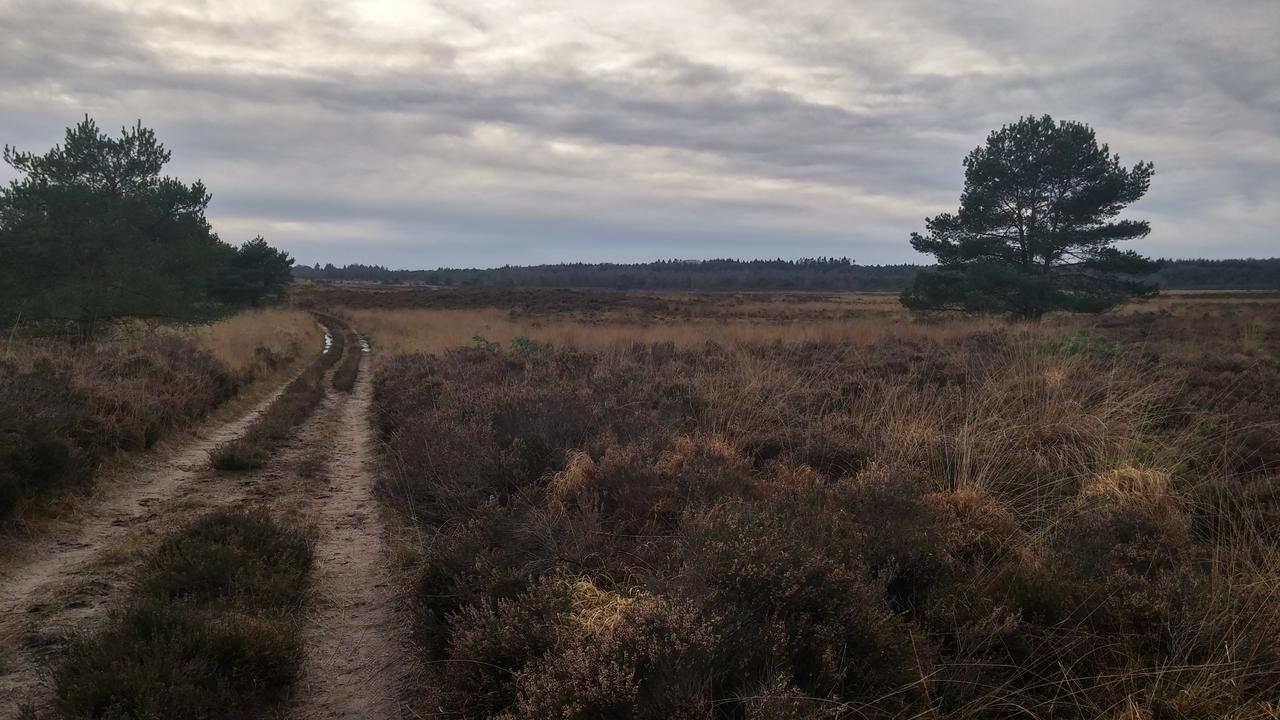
{"x": 357, "y": 625}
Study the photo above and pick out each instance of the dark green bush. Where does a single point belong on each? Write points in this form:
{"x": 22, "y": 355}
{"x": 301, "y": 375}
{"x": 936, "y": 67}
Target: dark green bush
{"x": 209, "y": 633}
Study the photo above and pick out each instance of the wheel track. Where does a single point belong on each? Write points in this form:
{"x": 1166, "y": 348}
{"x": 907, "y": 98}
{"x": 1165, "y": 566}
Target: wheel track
{"x": 357, "y": 626}
{"x": 356, "y": 630}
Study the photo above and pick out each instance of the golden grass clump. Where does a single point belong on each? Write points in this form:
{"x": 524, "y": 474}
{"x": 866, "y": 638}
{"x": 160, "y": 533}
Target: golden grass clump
{"x": 574, "y": 481}
{"x": 596, "y": 610}
{"x": 1130, "y": 482}
{"x": 249, "y": 340}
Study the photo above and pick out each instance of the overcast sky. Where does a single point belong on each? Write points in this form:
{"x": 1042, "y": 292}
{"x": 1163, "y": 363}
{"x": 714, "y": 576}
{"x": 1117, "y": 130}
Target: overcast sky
{"x": 416, "y": 134}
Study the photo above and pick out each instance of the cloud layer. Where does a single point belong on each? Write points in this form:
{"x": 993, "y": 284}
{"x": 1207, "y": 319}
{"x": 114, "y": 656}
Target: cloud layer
{"x": 424, "y": 133}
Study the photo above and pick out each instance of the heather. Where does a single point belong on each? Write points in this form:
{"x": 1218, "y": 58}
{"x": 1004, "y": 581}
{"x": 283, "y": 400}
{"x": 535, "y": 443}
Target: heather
{"x": 1067, "y": 522}
{"x": 66, "y": 409}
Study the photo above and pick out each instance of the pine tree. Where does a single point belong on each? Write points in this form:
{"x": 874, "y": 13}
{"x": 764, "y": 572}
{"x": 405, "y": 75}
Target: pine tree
{"x": 93, "y": 233}
{"x": 1036, "y": 229}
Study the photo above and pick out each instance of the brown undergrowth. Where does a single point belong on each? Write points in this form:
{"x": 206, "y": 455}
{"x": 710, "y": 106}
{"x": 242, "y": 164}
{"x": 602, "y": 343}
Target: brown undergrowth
{"x": 1069, "y": 522}
{"x": 64, "y": 409}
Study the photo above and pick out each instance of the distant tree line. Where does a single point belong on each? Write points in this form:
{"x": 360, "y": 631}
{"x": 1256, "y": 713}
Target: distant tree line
{"x": 720, "y": 274}
{"x": 820, "y": 274}
{"x": 1245, "y": 274}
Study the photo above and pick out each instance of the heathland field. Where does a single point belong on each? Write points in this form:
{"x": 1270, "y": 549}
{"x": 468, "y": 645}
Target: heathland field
{"x": 770, "y": 506}
{"x": 588, "y": 504}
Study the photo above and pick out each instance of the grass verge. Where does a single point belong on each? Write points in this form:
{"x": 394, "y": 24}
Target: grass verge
{"x": 300, "y": 398}
{"x": 210, "y": 631}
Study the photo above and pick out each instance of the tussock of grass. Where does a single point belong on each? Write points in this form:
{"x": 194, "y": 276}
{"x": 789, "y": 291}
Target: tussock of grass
{"x": 210, "y": 632}
{"x": 295, "y": 404}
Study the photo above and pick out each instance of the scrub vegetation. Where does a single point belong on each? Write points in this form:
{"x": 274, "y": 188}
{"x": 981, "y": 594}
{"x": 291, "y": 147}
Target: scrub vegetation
{"x": 211, "y": 629}
{"x": 67, "y": 408}
{"x": 965, "y": 519}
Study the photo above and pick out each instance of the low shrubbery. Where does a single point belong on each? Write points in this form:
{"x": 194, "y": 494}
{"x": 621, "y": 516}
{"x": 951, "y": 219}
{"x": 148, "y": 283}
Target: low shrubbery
{"x": 967, "y": 528}
{"x": 210, "y": 631}
{"x": 63, "y": 410}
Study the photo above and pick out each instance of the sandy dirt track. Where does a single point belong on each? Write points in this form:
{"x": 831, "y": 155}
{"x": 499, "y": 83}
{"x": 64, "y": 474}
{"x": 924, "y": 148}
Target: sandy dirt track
{"x": 356, "y": 627}
{"x": 355, "y": 630}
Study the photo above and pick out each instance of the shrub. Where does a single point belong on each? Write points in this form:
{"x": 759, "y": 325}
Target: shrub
{"x": 158, "y": 660}
{"x": 528, "y": 349}
{"x": 492, "y": 643}
{"x": 986, "y": 526}
{"x": 1081, "y": 344}
{"x": 638, "y": 657}
{"x": 210, "y": 632}
{"x": 242, "y": 558}
{"x": 788, "y": 593}
{"x": 977, "y": 531}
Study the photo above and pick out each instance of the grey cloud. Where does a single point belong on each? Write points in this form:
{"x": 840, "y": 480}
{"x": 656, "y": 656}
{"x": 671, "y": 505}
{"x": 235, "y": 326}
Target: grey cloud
{"x": 400, "y": 148}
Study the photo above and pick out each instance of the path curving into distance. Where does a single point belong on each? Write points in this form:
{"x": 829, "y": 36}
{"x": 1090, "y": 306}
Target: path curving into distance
{"x": 356, "y": 626}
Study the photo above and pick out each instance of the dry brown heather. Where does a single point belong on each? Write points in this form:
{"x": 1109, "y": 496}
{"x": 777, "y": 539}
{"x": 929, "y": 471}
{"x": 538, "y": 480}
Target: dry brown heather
{"x": 1077, "y": 520}
{"x": 64, "y": 409}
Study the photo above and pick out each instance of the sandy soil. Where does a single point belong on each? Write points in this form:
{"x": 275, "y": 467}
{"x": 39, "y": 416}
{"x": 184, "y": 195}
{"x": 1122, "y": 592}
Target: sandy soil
{"x": 357, "y": 626}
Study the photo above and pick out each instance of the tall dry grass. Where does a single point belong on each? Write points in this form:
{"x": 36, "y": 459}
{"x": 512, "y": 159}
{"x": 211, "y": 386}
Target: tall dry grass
{"x": 248, "y": 340}
{"x": 65, "y": 409}
{"x": 396, "y": 331}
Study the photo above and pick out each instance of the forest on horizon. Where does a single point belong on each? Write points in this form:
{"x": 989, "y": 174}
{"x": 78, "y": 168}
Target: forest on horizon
{"x": 824, "y": 274}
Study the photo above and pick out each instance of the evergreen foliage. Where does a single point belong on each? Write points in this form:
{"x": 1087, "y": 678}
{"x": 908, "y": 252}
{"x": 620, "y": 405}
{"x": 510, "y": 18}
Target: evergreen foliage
{"x": 92, "y": 233}
{"x": 1037, "y": 227}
